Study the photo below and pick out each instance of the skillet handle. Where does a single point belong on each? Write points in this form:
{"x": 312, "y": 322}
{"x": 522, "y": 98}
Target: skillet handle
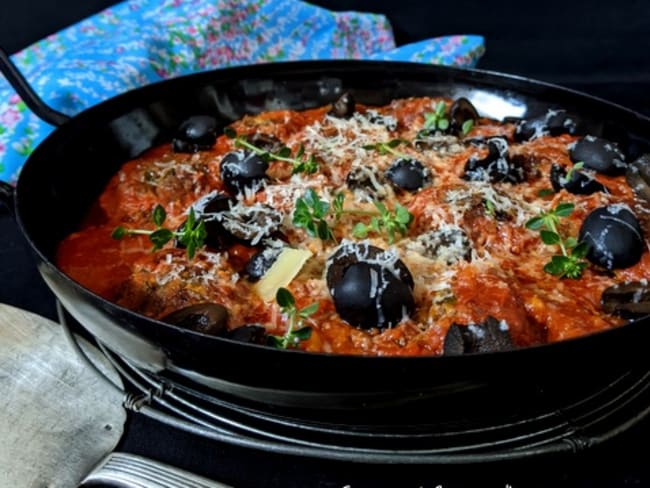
{"x": 7, "y": 196}
{"x": 26, "y": 92}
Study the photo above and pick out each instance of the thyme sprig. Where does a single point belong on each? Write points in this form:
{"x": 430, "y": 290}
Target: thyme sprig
{"x": 192, "y": 235}
{"x": 300, "y": 162}
{"x": 296, "y": 331}
{"x": 318, "y": 217}
{"x": 388, "y": 147}
{"x": 389, "y": 222}
{"x": 571, "y": 263}
{"x": 437, "y": 120}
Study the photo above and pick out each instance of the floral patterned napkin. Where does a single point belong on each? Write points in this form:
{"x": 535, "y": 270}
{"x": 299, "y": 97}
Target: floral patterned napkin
{"x": 138, "y": 42}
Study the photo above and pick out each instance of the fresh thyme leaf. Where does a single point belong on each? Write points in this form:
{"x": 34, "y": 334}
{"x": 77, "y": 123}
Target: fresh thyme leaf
{"x": 549, "y": 237}
{"x": 159, "y": 215}
{"x": 119, "y": 233}
{"x": 310, "y": 213}
{"x": 160, "y": 237}
{"x": 436, "y": 120}
{"x": 490, "y": 207}
{"x": 569, "y": 264}
{"x": 564, "y": 209}
{"x": 285, "y": 298}
{"x": 360, "y": 231}
{"x": 545, "y": 192}
{"x": 295, "y": 332}
{"x": 467, "y": 126}
{"x": 388, "y": 147}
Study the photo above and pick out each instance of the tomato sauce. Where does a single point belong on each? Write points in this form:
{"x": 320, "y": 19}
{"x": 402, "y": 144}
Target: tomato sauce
{"x": 502, "y": 274}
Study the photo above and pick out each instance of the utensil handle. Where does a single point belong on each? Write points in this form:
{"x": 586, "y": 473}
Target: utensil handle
{"x": 130, "y": 471}
{"x": 27, "y": 93}
{"x": 7, "y": 196}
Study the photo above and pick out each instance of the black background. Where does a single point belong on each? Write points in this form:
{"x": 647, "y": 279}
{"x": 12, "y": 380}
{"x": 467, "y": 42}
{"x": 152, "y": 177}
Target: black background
{"x": 602, "y": 49}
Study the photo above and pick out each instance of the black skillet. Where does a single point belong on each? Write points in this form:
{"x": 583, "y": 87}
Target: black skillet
{"x": 67, "y": 172}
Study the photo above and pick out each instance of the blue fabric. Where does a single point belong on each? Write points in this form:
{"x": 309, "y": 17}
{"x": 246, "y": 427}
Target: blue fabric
{"x": 138, "y": 42}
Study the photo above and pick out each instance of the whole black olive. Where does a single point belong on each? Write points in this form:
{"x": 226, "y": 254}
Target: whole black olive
{"x": 408, "y": 174}
{"x": 488, "y": 336}
{"x": 369, "y": 296}
{"x": 206, "y": 318}
{"x": 554, "y": 122}
{"x": 579, "y": 183}
{"x": 250, "y": 334}
{"x": 241, "y": 170}
{"x": 460, "y": 112}
{"x": 598, "y": 154}
{"x": 197, "y": 133}
{"x": 356, "y": 252}
{"x": 261, "y": 262}
{"x": 614, "y": 237}
{"x": 496, "y": 166}
{"x": 344, "y": 106}
{"x": 370, "y": 287}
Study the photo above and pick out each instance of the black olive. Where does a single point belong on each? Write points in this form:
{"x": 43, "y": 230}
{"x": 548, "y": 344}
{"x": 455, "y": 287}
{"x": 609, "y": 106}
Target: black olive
{"x": 614, "y": 237}
{"x": 488, "y": 336}
{"x": 370, "y": 296}
{"x": 496, "y": 166}
{"x": 554, "y": 122}
{"x": 206, "y": 318}
{"x": 369, "y": 180}
{"x": 460, "y": 112}
{"x": 579, "y": 184}
{"x": 370, "y": 287}
{"x": 598, "y": 154}
{"x": 408, "y": 174}
{"x": 250, "y": 334}
{"x": 251, "y": 224}
{"x": 351, "y": 253}
{"x": 241, "y": 170}
{"x": 261, "y": 262}
{"x": 197, "y": 133}
{"x": 344, "y": 106}
{"x": 637, "y": 176}
{"x": 627, "y": 299}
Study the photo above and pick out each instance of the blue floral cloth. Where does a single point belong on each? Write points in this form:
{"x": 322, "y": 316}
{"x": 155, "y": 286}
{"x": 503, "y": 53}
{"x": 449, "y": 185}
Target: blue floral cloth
{"x": 138, "y": 42}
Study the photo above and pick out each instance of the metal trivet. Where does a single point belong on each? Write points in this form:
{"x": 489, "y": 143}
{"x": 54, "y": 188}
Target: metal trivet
{"x": 565, "y": 426}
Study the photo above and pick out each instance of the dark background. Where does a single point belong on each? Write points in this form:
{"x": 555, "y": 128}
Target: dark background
{"x": 602, "y": 49}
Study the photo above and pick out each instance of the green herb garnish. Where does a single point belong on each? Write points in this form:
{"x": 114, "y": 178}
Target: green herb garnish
{"x": 295, "y": 332}
{"x": 388, "y": 147}
{"x": 192, "y": 235}
{"x": 318, "y": 217}
{"x": 437, "y": 119}
{"x": 467, "y": 126}
{"x": 389, "y": 222}
{"x": 300, "y": 163}
{"x": 570, "y": 263}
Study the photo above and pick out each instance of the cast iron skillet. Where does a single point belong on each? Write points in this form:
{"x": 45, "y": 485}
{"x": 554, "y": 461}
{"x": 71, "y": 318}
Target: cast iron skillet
{"x": 69, "y": 169}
